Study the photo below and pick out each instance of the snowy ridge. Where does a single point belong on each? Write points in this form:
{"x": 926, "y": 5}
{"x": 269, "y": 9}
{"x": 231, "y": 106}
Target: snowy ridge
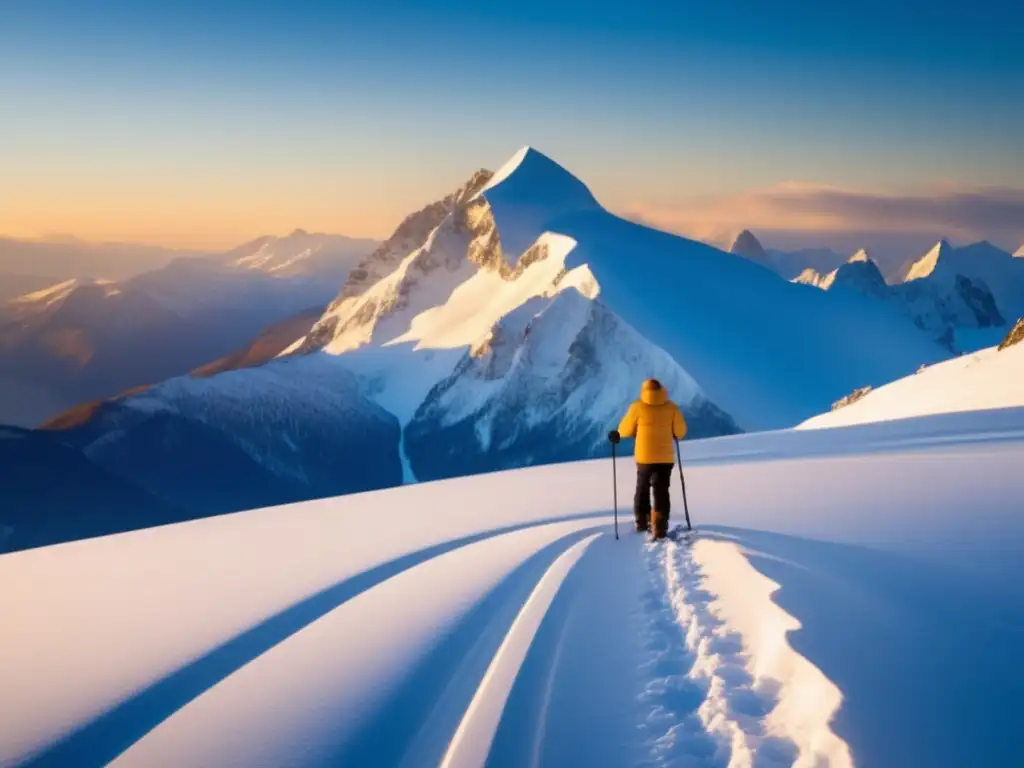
{"x": 988, "y": 379}
{"x": 48, "y": 295}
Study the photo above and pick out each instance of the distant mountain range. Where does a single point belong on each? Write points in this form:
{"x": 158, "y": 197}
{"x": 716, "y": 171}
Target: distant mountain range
{"x": 59, "y": 259}
{"x": 965, "y": 297}
{"x": 789, "y": 264}
{"x": 82, "y": 339}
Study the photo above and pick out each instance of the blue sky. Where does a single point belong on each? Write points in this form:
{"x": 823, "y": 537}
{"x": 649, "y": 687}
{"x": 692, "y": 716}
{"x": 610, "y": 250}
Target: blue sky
{"x": 188, "y": 124}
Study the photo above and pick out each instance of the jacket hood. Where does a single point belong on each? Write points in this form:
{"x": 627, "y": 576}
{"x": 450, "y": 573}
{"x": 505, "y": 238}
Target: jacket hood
{"x": 652, "y": 393}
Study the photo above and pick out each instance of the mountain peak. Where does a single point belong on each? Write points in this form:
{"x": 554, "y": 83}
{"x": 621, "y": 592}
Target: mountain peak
{"x": 1019, "y": 253}
{"x": 749, "y": 247}
{"x": 528, "y": 194}
{"x": 927, "y": 263}
{"x": 860, "y": 256}
{"x": 531, "y": 171}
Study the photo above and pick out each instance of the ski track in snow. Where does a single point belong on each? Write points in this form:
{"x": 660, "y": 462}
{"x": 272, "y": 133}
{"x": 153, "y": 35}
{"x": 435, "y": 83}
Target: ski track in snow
{"x": 443, "y": 688}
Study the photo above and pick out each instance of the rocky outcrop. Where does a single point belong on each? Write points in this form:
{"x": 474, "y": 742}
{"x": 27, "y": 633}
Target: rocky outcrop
{"x": 851, "y": 398}
{"x": 1015, "y": 336}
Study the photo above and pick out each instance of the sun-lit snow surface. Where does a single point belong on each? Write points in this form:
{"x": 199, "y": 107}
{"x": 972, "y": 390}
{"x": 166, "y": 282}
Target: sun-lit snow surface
{"x": 990, "y": 378}
{"x": 852, "y": 592}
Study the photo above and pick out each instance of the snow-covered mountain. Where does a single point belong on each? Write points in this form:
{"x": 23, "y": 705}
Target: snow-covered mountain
{"x": 981, "y": 263}
{"x": 300, "y": 254}
{"x": 534, "y": 231}
{"x": 945, "y": 308}
{"x": 485, "y": 365}
{"x": 987, "y": 379}
{"x": 1019, "y": 253}
{"x": 512, "y": 322}
{"x": 81, "y": 340}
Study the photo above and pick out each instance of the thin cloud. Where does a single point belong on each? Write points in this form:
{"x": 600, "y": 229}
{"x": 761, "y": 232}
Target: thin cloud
{"x": 995, "y": 214}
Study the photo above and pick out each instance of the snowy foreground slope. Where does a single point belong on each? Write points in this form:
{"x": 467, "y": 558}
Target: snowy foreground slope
{"x": 988, "y": 379}
{"x": 853, "y": 596}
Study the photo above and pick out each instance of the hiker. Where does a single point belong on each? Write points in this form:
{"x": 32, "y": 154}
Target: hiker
{"x": 655, "y": 421}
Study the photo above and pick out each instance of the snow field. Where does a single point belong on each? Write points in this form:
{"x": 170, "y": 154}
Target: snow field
{"x": 855, "y": 587}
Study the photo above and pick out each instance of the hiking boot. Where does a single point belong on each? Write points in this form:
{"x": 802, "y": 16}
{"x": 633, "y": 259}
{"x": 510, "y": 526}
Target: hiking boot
{"x": 642, "y": 526}
{"x": 659, "y": 525}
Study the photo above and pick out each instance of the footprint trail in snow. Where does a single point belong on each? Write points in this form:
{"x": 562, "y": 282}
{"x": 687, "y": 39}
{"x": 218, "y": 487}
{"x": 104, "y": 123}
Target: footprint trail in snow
{"x": 709, "y": 697}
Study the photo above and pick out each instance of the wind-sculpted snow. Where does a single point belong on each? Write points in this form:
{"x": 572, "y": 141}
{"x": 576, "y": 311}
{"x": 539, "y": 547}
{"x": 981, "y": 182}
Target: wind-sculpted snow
{"x": 852, "y": 589}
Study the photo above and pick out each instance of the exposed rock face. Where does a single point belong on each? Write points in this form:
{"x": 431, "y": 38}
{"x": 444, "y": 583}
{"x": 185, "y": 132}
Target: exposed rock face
{"x": 443, "y": 233}
{"x": 1015, "y": 336}
{"x": 410, "y": 234}
{"x": 749, "y": 247}
{"x": 853, "y": 397}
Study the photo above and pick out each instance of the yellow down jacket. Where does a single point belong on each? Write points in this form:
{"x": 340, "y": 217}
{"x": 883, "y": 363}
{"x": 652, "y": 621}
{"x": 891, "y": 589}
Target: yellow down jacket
{"x": 654, "y": 421}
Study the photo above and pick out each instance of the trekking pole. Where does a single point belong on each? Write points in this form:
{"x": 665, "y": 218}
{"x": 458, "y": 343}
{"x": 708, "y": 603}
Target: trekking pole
{"x": 682, "y": 482}
{"x": 613, "y": 438}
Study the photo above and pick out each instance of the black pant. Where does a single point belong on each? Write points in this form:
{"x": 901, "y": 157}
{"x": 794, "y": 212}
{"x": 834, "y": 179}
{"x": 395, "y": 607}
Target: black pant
{"x": 650, "y": 477}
